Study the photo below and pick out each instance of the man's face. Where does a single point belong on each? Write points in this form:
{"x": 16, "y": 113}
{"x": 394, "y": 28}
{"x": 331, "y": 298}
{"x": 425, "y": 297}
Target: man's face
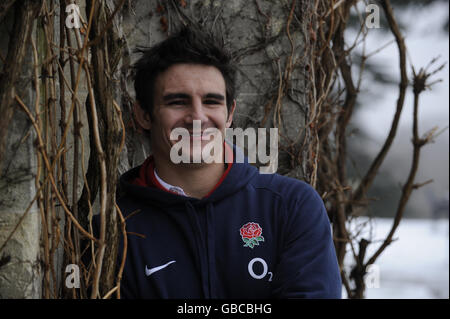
{"x": 184, "y": 93}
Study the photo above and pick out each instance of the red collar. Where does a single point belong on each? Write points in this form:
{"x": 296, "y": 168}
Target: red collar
{"x": 147, "y": 177}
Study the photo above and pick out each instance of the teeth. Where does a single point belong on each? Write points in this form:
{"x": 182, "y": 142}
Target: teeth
{"x": 206, "y": 132}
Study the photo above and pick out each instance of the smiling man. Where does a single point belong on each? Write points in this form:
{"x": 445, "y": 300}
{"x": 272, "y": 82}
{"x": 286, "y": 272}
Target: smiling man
{"x": 215, "y": 229}
{"x": 184, "y": 93}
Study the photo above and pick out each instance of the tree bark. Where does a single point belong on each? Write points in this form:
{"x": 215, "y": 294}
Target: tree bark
{"x": 4, "y": 7}
{"x": 25, "y": 13}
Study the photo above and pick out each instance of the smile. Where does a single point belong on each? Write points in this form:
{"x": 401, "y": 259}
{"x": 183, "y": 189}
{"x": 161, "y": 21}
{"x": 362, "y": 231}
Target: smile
{"x": 205, "y": 135}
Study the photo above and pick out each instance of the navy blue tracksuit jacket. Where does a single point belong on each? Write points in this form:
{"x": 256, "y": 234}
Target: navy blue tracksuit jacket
{"x": 255, "y": 236}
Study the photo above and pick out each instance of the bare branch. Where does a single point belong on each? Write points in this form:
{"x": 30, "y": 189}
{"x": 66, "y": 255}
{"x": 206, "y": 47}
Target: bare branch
{"x": 367, "y": 181}
{"x": 418, "y": 87}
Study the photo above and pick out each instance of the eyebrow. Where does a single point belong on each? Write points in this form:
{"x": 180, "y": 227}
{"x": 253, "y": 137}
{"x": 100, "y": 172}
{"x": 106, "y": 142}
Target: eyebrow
{"x": 216, "y": 96}
{"x": 172, "y": 96}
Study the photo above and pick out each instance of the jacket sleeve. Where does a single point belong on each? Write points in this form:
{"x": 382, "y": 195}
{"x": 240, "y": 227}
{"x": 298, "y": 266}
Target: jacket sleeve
{"x": 307, "y": 266}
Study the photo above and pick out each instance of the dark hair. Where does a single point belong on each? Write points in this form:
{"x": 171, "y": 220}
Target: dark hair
{"x": 188, "y": 45}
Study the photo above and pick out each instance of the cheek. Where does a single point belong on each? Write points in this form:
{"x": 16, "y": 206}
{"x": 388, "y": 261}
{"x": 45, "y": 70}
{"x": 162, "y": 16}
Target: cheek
{"x": 166, "y": 120}
{"x": 220, "y": 118}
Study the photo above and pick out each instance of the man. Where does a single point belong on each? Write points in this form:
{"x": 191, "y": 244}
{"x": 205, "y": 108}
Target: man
{"x": 213, "y": 229}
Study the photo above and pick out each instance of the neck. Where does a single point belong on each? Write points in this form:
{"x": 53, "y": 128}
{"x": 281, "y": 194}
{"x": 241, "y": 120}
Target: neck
{"x": 197, "y": 180}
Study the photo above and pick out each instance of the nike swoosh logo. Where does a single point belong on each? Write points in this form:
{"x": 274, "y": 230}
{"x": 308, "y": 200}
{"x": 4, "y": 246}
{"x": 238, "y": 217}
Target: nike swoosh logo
{"x": 150, "y": 271}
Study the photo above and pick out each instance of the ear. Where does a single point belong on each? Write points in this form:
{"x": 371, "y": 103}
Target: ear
{"x": 142, "y": 117}
{"x": 230, "y": 115}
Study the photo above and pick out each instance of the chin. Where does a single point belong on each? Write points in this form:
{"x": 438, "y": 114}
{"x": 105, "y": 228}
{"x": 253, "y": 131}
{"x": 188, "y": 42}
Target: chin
{"x": 192, "y": 165}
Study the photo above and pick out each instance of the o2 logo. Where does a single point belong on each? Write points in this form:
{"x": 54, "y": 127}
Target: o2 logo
{"x": 265, "y": 271}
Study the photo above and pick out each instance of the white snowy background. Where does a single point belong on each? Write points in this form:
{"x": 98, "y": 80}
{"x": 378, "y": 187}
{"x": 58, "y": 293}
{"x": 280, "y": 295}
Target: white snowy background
{"x": 416, "y": 264}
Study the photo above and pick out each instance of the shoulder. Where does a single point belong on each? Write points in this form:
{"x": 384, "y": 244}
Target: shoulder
{"x": 292, "y": 190}
{"x": 302, "y": 208}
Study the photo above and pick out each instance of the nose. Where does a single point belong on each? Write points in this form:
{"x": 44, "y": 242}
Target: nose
{"x": 196, "y": 112}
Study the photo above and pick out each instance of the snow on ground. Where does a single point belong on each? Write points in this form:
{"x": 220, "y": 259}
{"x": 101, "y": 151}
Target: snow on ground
{"x": 416, "y": 265}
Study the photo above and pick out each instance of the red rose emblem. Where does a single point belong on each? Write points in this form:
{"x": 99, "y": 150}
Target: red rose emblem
{"x": 251, "y": 234}
{"x": 251, "y": 230}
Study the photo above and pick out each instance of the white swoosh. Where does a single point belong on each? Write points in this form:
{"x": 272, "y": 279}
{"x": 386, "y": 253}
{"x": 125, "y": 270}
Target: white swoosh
{"x": 150, "y": 271}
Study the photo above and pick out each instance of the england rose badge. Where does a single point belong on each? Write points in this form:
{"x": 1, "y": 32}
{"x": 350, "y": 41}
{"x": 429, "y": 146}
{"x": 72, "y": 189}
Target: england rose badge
{"x": 251, "y": 234}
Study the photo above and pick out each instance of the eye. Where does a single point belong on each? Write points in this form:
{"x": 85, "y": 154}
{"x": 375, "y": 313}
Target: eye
{"x": 212, "y": 102}
{"x": 176, "y": 102}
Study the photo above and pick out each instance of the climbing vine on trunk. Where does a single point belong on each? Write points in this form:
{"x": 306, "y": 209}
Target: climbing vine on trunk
{"x": 81, "y": 105}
